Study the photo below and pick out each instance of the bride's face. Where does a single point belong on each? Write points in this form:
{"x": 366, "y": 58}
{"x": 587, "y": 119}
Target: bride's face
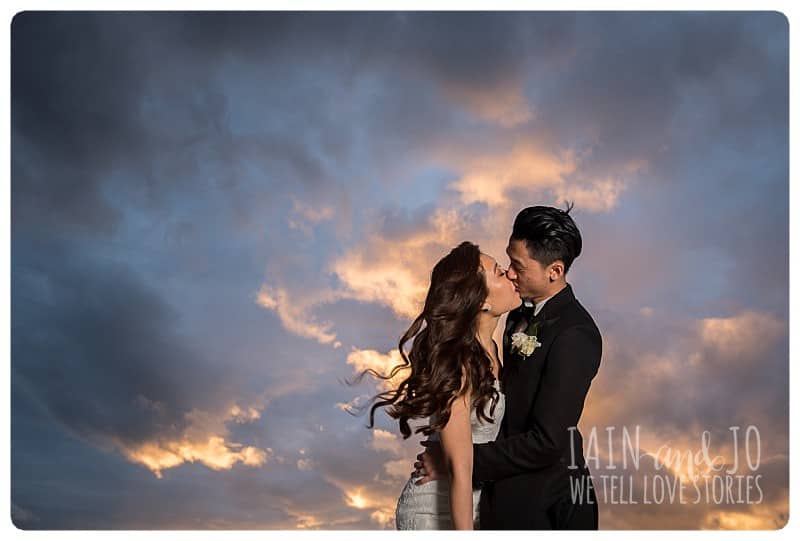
{"x": 503, "y": 295}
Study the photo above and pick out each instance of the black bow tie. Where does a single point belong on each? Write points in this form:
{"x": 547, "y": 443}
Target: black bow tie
{"x": 525, "y": 318}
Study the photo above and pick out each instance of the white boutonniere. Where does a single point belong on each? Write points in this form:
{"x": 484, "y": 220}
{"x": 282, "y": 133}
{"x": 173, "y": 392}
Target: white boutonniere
{"x": 525, "y": 342}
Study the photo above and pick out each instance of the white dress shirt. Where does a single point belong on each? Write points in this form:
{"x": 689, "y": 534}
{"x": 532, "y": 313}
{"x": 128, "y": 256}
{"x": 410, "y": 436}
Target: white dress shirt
{"x": 538, "y": 306}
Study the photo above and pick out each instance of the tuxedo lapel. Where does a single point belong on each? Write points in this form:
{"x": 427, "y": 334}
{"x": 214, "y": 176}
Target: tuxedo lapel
{"x": 513, "y": 362}
{"x": 546, "y": 319}
{"x": 517, "y": 320}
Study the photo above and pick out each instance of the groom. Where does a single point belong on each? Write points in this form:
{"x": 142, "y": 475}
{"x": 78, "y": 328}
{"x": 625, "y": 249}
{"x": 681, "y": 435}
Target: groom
{"x": 533, "y": 475}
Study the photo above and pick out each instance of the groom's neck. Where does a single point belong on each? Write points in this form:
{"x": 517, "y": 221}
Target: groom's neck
{"x": 554, "y": 288}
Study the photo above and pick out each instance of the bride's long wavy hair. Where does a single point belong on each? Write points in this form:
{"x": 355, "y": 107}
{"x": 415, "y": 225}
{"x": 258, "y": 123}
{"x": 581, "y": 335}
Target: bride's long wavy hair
{"x": 445, "y": 349}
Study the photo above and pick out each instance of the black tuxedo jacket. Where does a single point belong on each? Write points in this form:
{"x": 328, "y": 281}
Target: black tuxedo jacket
{"x": 526, "y": 471}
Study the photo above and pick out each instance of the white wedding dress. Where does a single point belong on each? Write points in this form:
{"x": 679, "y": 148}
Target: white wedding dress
{"x": 427, "y": 506}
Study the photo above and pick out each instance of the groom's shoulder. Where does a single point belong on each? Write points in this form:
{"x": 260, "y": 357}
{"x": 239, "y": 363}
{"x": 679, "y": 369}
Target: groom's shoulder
{"x": 578, "y": 329}
{"x": 576, "y": 315}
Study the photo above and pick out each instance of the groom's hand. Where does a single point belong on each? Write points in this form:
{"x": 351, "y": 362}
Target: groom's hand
{"x": 430, "y": 463}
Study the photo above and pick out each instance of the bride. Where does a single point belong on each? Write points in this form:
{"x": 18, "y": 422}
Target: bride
{"x": 455, "y": 381}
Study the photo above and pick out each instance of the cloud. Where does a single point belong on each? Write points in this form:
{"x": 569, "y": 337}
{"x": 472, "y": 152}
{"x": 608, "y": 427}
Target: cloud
{"x": 294, "y": 315}
{"x": 398, "y": 468}
{"x": 390, "y": 267}
{"x": 676, "y": 378}
{"x": 363, "y": 359}
{"x": 742, "y": 336}
{"x": 381, "y": 508}
{"x": 531, "y": 171}
{"x": 526, "y": 167}
{"x": 243, "y": 416}
{"x": 703, "y": 361}
{"x": 752, "y": 519}
{"x": 504, "y": 104}
{"x": 305, "y": 216}
{"x": 386, "y": 441}
{"x": 305, "y": 464}
{"x": 203, "y": 440}
{"x": 122, "y": 392}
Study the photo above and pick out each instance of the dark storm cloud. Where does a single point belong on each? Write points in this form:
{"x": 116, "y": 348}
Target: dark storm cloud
{"x": 458, "y": 47}
{"x": 98, "y": 348}
{"x": 56, "y": 473}
{"x": 630, "y": 73}
{"x": 74, "y": 93}
{"x": 612, "y": 77}
{"x": 92, "y": 96}
{"x": 703, "y": 98}
{"x": 93, "y": 93}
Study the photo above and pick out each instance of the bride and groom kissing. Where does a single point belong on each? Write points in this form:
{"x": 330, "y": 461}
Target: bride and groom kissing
{"x": 503, "y": 449}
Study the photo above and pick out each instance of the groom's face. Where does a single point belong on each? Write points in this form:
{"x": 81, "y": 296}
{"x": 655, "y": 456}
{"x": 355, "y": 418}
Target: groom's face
{"x": 528, "y": 275}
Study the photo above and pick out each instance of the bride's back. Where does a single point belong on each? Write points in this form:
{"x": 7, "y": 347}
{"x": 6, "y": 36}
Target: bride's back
{"x": 483, "y": 431}
{"x": 427, "y": 506}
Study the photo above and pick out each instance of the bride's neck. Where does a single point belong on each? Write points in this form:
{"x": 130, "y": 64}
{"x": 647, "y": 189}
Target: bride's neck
{"x": 486, "y": 327}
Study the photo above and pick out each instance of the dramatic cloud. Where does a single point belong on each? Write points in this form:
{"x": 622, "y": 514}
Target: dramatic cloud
{"x": 294, "y": 316}
{"x": 199, "y": 443}
{"x": 390, "y": 268}
{"x": 530, "y": 172}
{"x": 219, "y": 217}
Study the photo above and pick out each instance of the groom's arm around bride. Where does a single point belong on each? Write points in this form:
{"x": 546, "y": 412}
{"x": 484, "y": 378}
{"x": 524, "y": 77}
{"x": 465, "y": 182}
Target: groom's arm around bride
{"x": 572, "y": 362}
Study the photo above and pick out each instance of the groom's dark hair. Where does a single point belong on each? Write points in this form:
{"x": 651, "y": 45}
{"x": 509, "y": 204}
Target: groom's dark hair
{"x": 549, "y": 234}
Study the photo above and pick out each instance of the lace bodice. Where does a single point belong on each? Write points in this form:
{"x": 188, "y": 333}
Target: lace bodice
{"x": 483, "y": 431}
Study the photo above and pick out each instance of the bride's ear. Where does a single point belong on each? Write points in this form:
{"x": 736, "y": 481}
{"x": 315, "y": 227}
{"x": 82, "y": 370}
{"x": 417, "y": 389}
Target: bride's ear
{"x": 486, "y": 307}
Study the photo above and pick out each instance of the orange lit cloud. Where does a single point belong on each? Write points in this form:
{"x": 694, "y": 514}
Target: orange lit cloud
{"x": 489, "y": 179}
{"x": 394, "y": 271}
{"x": 392, "y": 267}
{"x": 503, "y": 104}
{"x": 532, "y": 171}
{"x": 755, "y": 518}
{"x": 386, "y": 441}
{"x": 363, "y": 498}
{"x": 305, "y": 216}
{"x": 663, "y": 385}
{"x": 697, "y": 347}
{"x": 742, "y": 336}
{"x": 205, "y": 440}
{"x": 362, "y": 359}
{"x": 294, "y": 314}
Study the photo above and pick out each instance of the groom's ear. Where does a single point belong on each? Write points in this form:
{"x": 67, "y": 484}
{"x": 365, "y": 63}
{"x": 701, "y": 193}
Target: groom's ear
{"x": 556, "y": 270}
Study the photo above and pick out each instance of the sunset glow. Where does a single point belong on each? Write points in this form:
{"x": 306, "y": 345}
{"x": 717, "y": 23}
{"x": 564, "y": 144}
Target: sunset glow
{"x": 220, "y": 217}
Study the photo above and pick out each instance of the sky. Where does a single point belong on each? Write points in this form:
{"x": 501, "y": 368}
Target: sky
{"x": 217, "y": 218}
